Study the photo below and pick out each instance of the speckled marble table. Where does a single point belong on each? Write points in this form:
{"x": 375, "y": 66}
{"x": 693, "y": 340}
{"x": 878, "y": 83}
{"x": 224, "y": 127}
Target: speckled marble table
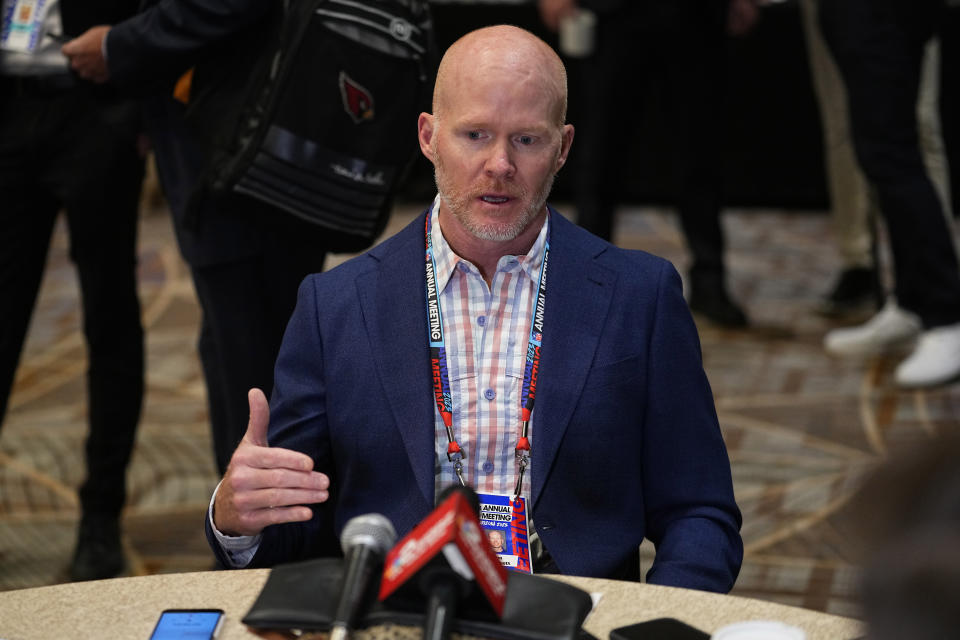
{"x": 128, "y": 607}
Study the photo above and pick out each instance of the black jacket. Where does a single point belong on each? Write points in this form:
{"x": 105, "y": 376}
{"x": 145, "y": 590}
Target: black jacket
{"x": 80, "y": 15}
{"x": 148, "y": 52}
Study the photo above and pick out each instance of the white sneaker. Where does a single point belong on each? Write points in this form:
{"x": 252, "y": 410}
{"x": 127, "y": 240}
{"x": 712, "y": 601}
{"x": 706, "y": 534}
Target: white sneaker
{"x": 935, "y": 360}
{"x": 891, "y": 328}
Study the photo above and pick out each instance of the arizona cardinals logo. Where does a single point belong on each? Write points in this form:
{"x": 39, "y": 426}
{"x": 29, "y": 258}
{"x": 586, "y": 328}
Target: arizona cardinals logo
{"x": 357, "y": 101}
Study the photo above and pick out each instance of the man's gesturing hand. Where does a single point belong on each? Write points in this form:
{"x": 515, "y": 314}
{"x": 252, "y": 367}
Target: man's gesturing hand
{"x": 86, "y": 54}
{"x": 265, "y": 485}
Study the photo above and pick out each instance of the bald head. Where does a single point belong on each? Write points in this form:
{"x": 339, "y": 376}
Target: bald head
{"x": 496, "y": 138}
{"x": 503, "y": 50}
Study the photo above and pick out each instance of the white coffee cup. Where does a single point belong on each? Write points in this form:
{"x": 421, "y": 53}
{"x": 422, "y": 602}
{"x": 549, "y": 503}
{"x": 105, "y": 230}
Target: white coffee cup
{"x": 759, "y": 630}
{"x": 577, "y": 33}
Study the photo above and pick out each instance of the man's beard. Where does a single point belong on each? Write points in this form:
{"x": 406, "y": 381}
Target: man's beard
{"x": 459, "y": 205}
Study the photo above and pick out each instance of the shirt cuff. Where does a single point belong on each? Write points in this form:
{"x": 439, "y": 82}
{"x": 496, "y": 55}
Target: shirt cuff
{"x": 238, "y": 549}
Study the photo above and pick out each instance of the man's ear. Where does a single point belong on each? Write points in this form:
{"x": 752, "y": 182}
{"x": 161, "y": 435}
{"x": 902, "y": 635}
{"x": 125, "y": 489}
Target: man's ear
{"x": 425, "y": 130}
{"x": 566, "y": 140}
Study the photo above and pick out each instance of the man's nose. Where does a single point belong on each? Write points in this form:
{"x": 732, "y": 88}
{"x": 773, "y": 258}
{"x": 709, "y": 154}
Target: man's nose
{"x": 500, "y": 161}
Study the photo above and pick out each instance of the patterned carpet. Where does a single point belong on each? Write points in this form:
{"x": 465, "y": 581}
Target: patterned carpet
{"x": 802, "y": 428}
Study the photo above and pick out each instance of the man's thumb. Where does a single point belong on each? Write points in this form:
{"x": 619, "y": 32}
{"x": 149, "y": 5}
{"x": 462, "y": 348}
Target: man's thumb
{"x": 259, "y": 418}
{"x": 70, "y": 48}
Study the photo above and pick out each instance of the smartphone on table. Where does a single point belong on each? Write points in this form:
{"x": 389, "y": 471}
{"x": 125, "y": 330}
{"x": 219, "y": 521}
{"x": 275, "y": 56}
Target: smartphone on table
{"x": 192, "y": 624}
{"x": 659, "y": 629}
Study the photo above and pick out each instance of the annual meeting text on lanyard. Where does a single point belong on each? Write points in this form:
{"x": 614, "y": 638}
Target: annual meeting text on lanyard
{"x": 440, "y": 375}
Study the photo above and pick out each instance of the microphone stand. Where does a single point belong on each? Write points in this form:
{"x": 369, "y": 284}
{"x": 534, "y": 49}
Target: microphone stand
{"x": 361, "y": 561}
{"x": 441, "y": 609}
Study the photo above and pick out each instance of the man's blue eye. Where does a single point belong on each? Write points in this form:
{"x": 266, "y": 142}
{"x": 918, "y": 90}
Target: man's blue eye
{"x": 526, "y": 140}
{"x": 474, "y": 135}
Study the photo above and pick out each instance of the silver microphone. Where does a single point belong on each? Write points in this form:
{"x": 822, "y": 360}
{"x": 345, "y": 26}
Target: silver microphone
{"x": 365, "y": 541}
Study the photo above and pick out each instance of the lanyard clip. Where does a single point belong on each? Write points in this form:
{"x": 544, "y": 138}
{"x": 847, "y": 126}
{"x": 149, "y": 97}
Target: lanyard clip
{"x": 455, "y": 455}
{"x": 522, "y": 452}
{"x": 523, "y": 460}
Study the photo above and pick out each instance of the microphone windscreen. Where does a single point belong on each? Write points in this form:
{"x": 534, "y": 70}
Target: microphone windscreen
{"x": 372, "y": 530}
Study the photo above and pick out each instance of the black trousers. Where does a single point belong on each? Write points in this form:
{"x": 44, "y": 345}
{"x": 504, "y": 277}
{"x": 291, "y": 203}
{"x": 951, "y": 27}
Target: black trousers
{"x": 246, "y": 305}
{"x": 63, "y": 149}
{"x": 246, "y": 266}
{"x": 670, "y": 52}
{"x": 878, "y": 46}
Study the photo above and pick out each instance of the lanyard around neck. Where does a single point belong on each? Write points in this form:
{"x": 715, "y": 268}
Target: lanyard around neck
{"x": 440, "y": 373}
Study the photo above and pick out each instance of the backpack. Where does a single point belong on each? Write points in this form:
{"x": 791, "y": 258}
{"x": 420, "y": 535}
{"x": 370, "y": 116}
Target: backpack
{"x": 325, "y": 127}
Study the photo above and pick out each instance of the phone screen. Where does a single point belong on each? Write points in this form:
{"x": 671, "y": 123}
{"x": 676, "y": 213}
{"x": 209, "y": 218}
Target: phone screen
{"x": 195, "y": 624}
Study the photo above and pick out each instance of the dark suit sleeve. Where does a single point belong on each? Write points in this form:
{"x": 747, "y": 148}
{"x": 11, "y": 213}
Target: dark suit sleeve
{"x": 298, "y": 421}
{"x": 162, "y": 42}
{"x": 691, "y": 515}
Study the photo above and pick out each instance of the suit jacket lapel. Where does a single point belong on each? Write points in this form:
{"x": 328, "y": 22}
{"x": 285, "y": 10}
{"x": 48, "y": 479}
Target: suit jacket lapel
{"x": 579, "y": 291}
{"x": 394, "y": 312}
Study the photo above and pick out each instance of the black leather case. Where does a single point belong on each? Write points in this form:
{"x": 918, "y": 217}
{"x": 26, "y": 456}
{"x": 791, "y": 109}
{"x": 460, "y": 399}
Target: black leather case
{"x": 303, "y": 596}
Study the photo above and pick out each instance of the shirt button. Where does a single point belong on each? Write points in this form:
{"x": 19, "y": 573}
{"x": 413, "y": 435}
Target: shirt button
{"x": 482, "y": 320}
{"x": 487, "y": 467}
{"x": 489, "y": 394}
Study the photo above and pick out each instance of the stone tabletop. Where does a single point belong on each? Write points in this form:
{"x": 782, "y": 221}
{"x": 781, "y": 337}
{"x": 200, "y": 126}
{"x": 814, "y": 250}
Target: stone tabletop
{"x": 128, "y": 607}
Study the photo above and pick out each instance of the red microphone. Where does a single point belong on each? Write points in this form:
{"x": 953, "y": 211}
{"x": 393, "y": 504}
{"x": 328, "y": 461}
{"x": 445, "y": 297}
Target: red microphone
{"x": 444, "y": 558}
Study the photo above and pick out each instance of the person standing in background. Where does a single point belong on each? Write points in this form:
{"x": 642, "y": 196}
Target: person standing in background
{"x": 677, "y": 47}
{"x": 854, "y": 208}
{"x": 879, "y": 47}
{"x": 67, "y": 145}
{"x": 949, "y": 32}
{"x": 246, "y": 263}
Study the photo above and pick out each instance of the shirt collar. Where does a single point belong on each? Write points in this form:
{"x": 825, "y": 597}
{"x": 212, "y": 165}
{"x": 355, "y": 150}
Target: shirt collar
{"x": 447, "y": 260}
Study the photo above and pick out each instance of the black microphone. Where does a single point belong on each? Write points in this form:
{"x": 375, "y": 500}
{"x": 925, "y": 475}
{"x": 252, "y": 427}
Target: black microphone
{"x": 447, "y": 559}
{"x": 365, "y": 541}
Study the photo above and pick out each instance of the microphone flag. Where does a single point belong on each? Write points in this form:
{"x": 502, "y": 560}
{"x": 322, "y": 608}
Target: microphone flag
{"x": 451, "y": 532}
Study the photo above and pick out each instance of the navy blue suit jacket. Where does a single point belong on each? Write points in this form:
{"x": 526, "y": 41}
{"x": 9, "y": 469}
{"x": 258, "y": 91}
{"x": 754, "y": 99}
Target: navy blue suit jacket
{"x": 626, "y": 443}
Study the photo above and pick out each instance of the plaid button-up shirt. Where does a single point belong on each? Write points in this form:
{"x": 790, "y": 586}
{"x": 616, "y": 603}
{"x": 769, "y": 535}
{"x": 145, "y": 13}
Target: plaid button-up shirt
{"x": 486, "y": 330}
